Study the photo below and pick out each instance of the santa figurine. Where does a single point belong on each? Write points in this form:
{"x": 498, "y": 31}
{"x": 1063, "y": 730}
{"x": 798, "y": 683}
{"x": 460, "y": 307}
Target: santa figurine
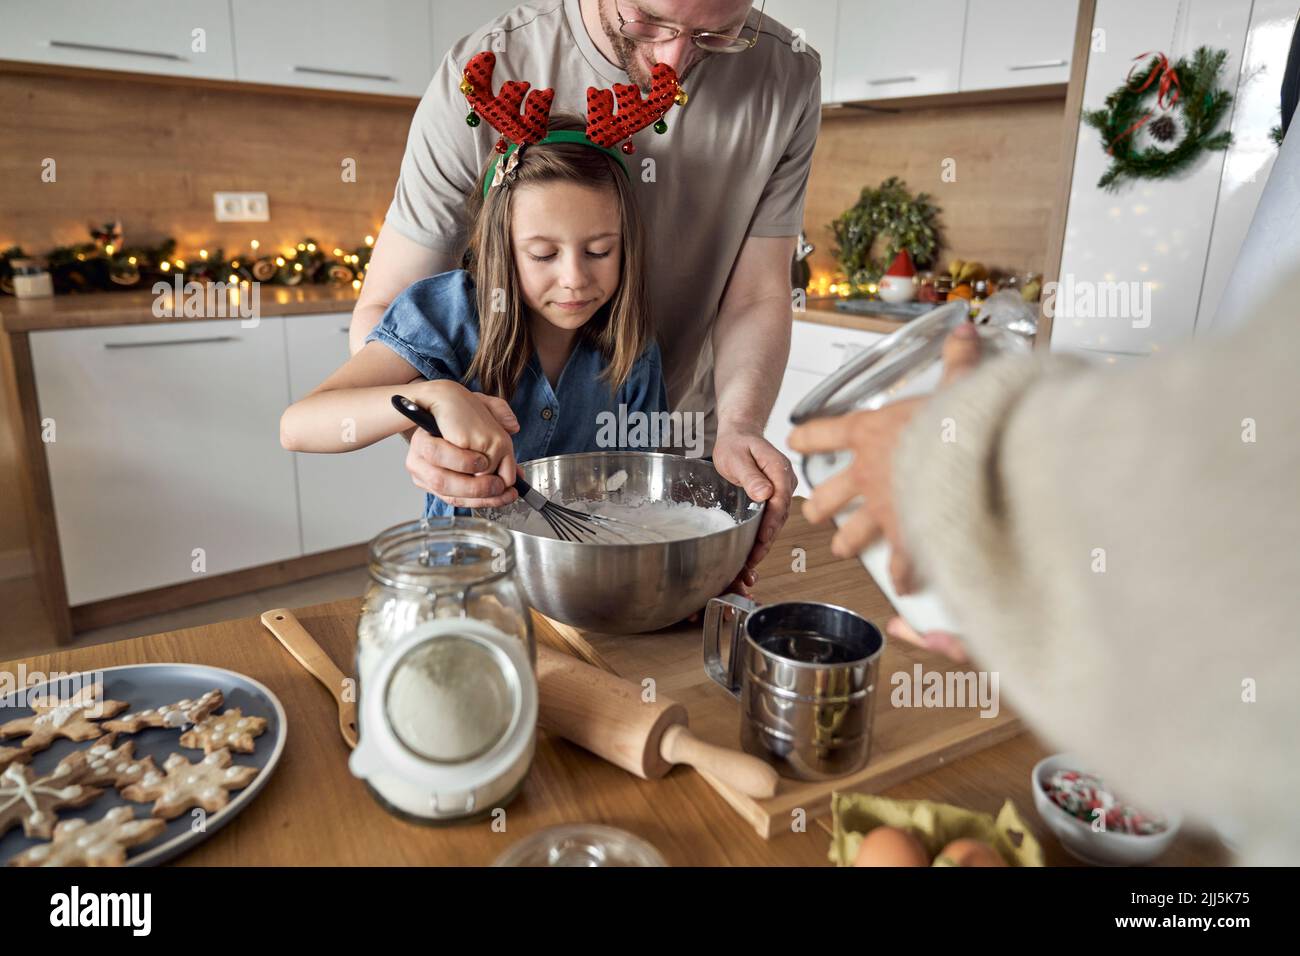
{"x": 898, "y": 284}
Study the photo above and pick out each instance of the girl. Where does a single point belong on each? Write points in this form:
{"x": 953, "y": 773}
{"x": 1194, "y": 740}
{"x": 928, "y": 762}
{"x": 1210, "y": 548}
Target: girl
{"x": 518, "y": 356}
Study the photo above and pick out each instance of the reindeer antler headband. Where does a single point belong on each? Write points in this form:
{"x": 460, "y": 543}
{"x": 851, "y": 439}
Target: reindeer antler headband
{"x": 605, "y": 127}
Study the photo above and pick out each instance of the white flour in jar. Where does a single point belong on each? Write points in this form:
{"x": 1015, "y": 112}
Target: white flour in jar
{"x": 652, "y": 520}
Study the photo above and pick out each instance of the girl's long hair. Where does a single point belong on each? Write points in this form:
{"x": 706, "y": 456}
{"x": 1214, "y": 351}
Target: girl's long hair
{"x": 620, "y": 329}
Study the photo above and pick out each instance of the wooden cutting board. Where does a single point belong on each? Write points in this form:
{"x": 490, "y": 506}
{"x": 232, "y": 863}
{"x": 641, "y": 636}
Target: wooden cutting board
{"x": 906, "y": 741}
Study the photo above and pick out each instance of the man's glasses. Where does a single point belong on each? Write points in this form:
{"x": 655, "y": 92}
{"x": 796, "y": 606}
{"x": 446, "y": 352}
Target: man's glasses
{"x": 644, "y": 31}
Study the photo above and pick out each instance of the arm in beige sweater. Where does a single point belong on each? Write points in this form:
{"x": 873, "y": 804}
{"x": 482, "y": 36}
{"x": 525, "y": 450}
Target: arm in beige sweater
{"x": 1123, "y": 546}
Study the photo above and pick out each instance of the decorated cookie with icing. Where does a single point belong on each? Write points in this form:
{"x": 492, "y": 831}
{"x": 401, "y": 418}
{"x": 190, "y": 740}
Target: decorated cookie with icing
{"x": 183, "y": 785}
{"x": 73, "y": 718}
{"x": 112, "y": 764}
{"x": 230, "y": 729}
{"x": 178, "y": 716}
{"x": 10, "y": 755}
{"x": 34, "y": 801}
{"x": 102, "y": 843}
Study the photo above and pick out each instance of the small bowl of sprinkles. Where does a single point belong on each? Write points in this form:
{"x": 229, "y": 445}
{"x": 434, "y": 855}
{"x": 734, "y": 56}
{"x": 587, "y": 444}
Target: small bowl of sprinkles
{"x": 1091, "y": 821}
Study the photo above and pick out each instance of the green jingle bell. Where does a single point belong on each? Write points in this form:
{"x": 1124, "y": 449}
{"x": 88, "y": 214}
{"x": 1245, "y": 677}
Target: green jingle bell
{"x": 661, "y": 127}
{"x": 472, "y": 119}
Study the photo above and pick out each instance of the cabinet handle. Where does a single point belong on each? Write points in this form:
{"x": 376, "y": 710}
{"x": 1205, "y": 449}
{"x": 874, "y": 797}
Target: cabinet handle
{"x": 345, "y": 330}
{"x": 97, "y": 48}
{"x": 382, "y": 78}
{"x": 1041, "y": 65}
{"x": 891, "y": 79}
{"x": 145, "y": 345}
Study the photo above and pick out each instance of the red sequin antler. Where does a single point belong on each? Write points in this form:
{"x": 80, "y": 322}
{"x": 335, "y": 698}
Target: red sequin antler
{"x": 606, "y": 128}
{"x": 502, "y": 111}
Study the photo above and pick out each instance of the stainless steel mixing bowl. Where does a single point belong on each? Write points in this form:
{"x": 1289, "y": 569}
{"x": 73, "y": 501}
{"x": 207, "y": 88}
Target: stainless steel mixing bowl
{"x": 629, "y": 588}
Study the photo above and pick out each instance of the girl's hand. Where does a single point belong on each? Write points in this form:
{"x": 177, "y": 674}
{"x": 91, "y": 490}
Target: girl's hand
{"x": 473, "y": 464}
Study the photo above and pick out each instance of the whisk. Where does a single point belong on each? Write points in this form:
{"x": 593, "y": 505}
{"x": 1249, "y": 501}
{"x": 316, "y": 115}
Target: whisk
{"x": 565, "y": 523}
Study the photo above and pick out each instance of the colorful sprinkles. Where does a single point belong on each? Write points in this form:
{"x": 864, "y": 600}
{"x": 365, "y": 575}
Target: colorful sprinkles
{"x": 1082, "y": 795}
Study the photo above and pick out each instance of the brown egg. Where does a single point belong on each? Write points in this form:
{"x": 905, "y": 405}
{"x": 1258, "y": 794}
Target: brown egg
{"x": 969, "y": 853}
{"x": 888, "y": 846}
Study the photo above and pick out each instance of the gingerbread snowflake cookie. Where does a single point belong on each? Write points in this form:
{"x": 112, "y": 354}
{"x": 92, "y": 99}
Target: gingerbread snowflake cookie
{"x": 34, "y": 801}
{"x": 10, "y": 755}
{"x": 230, "y": 729}
{"x": 112, "y": 764}
{"x": 184, "y": 785}
{"x": 102, "y": 843}
{"x": 73, "y": 717}
{"x": 182, "y": 714}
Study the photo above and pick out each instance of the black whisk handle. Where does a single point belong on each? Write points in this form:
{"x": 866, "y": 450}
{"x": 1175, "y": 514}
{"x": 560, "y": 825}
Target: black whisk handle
{"x": 421, "y": 416}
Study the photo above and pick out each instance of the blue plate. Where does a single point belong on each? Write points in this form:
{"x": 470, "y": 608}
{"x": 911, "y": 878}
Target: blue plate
{"x": 152, "y": 686}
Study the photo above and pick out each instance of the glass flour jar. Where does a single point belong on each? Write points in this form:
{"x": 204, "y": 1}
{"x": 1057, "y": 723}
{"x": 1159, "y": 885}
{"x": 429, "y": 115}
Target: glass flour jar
{"x": 447, "y": 706}
{"x": 908, "y": 363}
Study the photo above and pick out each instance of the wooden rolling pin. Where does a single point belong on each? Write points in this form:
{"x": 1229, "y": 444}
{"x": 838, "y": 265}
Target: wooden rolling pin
{"x": 605, "y": 714}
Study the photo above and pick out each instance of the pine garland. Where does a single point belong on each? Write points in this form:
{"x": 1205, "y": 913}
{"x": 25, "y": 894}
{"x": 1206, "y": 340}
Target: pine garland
{"x": 106, "y": 264}
{"x": 1202, "y": 104}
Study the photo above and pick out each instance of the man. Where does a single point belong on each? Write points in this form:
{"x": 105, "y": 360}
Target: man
{"x": 722, "y": 193}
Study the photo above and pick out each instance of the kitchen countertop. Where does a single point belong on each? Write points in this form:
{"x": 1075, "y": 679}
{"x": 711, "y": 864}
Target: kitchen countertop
{"x": 827, "y": 314}
{"x": 136, "y": 308}
{"x": 314, "y": 812}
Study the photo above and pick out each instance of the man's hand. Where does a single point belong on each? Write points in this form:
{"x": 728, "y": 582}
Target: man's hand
{"x": 752, "y": 462}
{"x": 465, "y": 477}
{"x": 873, "y": 438}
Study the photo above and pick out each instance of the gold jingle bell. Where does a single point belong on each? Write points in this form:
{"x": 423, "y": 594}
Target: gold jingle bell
{"x": 681, "y": 97}
{"x": 466, "y": 87}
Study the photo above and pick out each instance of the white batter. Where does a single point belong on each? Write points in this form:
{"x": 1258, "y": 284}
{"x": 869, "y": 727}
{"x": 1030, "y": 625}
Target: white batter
{"x": 653, "y": 520}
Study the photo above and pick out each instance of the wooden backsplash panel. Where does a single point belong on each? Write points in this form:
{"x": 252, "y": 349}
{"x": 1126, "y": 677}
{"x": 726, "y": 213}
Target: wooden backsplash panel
{"x": 152, "y": 154}
{"x": 998, "y": 210}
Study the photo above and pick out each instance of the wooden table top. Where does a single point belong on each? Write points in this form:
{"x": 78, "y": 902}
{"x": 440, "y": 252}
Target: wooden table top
{"x": 314, "y": 812}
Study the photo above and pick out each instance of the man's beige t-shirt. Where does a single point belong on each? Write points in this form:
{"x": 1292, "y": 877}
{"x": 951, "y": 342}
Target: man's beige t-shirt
{"x": 734, "y": 163}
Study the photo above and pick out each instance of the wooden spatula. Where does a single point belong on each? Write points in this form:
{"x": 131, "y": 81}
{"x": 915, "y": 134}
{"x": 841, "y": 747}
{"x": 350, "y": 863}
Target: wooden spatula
{"x": 286, "y": 627}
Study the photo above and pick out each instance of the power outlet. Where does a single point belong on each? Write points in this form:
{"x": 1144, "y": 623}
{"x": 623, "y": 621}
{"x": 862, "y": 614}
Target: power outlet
{"x": 241, "y": 207}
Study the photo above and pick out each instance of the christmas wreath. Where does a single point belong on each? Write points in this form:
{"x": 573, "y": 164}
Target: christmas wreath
{"x": 1147, "y": 143}
{"x": 890, "y": 213}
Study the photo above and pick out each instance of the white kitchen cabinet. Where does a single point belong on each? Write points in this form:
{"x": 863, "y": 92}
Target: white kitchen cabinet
{"x": 794, "y": 386}
{"x": 172, "y": 37}
{"x": 813, "y": 23}
{"x": 815, "y": 352}
{"x": 822, "y": 349}
{"x": 165, "y": 461}
{"x": 377, "y": 47}
{"x": 884, "y": 49}
{"x": 1248, "y": 162}
{"x": 343, "y": 499}
{"x": 1017, "y": 43}
{"x": 1146, "y": 243}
